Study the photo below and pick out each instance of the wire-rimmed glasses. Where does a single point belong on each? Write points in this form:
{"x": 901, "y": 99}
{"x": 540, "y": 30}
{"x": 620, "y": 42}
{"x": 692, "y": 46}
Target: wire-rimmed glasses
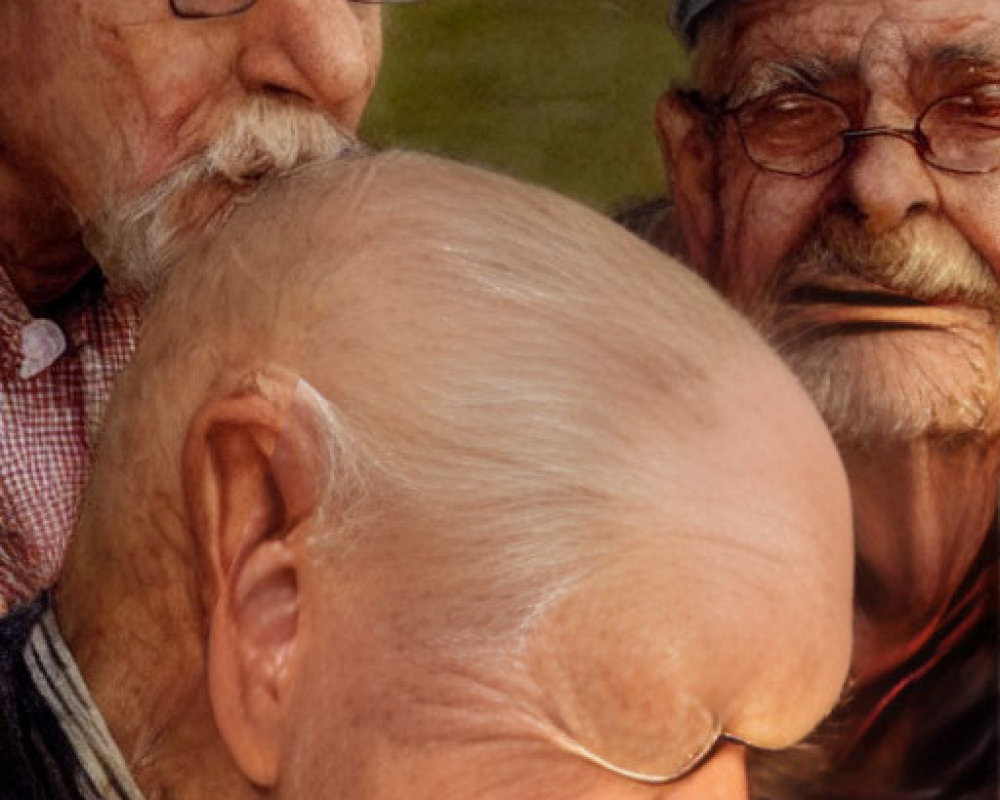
{"x": 801, "y": 133}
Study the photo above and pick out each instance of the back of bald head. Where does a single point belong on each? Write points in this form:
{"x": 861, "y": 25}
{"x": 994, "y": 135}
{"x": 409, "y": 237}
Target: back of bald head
{"x": 490, "y": 358}
{"x": 427, "y": 413}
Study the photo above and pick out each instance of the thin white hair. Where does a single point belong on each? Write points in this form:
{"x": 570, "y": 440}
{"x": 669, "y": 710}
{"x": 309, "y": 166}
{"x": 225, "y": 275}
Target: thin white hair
{"x": 507, "y": 371}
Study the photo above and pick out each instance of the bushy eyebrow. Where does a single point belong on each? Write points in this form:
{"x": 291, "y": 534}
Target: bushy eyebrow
{"x": 811, "y": 72}
{"x": 986, "y": 53}
{"x": 764, "y": 77}
{"x": 958, "y": 63}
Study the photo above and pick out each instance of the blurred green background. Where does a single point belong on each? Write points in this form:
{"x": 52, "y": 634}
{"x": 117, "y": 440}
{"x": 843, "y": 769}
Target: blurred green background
{"x": 559, "y": 92}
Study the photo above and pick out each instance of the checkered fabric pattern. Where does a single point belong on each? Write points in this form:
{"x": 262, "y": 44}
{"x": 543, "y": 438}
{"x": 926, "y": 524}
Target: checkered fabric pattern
{"x": 47, "y": 426}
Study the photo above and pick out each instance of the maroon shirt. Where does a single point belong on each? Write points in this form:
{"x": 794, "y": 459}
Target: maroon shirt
{"x": 54, "y": 385}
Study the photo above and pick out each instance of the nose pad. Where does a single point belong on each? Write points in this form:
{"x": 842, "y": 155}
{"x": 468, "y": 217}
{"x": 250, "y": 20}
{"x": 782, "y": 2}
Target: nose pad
{"x": 322, "y": 52}
{"x": 722, "y": 777}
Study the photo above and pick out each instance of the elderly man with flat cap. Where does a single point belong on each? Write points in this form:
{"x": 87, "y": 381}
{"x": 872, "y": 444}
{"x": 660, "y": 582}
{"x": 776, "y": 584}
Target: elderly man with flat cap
{"x": 122, "y": 124}
{"x": 835, "y": 172}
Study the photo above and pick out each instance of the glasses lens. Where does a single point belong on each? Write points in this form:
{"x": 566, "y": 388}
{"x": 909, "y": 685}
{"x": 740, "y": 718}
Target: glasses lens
{"x": 963, "y": 131}
{"x": 209, "y": 8}
{"x": 795, "y": 133}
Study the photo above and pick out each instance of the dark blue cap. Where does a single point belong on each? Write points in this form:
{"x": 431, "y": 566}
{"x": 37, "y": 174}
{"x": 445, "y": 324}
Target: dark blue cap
{"x": 687, "y": 14}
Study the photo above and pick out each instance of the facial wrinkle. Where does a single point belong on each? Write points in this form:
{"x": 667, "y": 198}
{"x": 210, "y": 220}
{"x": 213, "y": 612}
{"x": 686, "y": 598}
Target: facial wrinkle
{"x": 883, "y": 61}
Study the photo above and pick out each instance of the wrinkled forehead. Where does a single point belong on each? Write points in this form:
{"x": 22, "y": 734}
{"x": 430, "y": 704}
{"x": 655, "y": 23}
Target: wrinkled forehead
{"x": 874, "y": 41}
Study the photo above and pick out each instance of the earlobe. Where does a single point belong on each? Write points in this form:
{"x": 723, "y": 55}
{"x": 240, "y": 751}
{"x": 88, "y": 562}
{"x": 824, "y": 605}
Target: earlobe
{"x": 688, "y": 148}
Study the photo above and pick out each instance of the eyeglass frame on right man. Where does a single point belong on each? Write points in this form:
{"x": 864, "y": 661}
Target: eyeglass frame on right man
{"x": 718, "y": 111}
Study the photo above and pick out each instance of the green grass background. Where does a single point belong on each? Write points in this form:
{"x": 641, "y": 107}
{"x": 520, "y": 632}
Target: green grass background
{"x": 559, "y": 92}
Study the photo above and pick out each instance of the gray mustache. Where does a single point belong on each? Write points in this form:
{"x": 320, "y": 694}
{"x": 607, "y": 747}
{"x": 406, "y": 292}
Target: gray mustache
{"x": 925, "y": 260}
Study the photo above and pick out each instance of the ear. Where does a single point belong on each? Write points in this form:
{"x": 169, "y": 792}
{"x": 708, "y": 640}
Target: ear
{"x": 688, "y": 148}
{"x": 255, "y": 468}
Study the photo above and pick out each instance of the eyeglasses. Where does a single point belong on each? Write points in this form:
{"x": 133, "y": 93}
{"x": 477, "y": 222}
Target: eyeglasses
{"x": 801, "y": 133}
{"x": 201, "y": 9}
{"x": 679, "y": 767}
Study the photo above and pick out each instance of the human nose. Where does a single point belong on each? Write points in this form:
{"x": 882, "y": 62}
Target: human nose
{"x": 722, "y": 777}
{"x": 886, "y": 179}
{"x": 323, "y": 52}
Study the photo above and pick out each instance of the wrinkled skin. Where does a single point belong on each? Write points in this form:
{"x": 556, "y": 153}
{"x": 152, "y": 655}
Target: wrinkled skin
{"x": 918, "y": 528}
{"x": 716, "y": 614}
{"x": 904, "y": 369}
{"x": 102, "y": 99}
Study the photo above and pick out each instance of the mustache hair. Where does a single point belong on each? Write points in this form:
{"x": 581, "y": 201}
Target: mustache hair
{"x": 870, "y": 389}
{"x": 136, "y": 241}
{"x": 926, "y": 260}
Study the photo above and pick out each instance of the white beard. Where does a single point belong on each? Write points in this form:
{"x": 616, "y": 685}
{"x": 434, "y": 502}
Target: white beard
{"x": 902, "y": 386}
{"x": 875, "y": 383}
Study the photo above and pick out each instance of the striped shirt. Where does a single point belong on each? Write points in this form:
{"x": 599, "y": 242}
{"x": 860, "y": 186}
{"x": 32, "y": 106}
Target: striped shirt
{"x": 54, "y": 743}
{"x": 102, "y": 773}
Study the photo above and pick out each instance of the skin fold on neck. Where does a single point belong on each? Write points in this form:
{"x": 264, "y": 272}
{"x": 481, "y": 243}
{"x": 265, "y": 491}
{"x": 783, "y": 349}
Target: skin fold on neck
{"x": 923, "y": 511}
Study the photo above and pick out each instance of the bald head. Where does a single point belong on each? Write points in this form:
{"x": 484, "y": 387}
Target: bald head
{"x": 439, "y": 459}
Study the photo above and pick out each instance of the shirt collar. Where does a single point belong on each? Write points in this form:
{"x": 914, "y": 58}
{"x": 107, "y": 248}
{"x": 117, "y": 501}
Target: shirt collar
{"x": 29, "y": 344}
{"x": 103, "y": 773}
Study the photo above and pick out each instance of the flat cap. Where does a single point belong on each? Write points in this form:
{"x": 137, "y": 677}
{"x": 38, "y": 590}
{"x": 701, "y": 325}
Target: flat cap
{"x": 686, "y": 15}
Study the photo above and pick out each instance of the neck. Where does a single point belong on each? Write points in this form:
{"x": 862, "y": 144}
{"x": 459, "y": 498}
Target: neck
{"x": 40, "y": 245}
{"x": 144, "y": 665}
{"x": 923, "y": 511}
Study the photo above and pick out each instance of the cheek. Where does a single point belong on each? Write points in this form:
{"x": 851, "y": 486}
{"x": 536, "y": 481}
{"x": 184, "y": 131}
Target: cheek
{"x": 370, "y": 20}
{"x": 171, "y": 87}
{"x": 371, "y": 27}
{"x": 764, "y": 217}
{"x": 972, "y": 204}
{"x": 317, "y": 742}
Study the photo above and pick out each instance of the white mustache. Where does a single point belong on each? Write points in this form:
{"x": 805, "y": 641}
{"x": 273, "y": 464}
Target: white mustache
{"x": 136, "y": 241}
{"x": 267, "y": 136}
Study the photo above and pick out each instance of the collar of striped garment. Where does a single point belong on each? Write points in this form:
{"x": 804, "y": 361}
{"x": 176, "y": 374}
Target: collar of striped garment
{"x": 103, "y": 773}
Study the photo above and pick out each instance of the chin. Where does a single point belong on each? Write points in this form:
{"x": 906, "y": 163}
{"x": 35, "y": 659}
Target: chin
{"x": 891, "y": 386}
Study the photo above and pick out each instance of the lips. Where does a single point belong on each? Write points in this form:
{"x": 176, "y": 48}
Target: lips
{"x": 845, "y": 300}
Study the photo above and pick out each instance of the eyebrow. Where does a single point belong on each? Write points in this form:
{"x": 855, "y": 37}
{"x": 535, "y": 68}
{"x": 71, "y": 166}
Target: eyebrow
{"x": 952, "y": 65}
{"x": 764, "y": 77}
{"x": 985, "y": 53}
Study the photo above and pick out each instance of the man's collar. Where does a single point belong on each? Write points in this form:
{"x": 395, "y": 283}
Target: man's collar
{"x": 103, "y": 774}
{"x": 30, "y": 344}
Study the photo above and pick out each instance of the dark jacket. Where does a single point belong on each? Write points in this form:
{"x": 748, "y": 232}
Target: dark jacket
{"x": 37, "y": 761}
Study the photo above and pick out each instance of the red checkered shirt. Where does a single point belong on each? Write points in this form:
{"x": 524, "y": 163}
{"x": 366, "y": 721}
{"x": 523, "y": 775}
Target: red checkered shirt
{"x": 55, "y": 385}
